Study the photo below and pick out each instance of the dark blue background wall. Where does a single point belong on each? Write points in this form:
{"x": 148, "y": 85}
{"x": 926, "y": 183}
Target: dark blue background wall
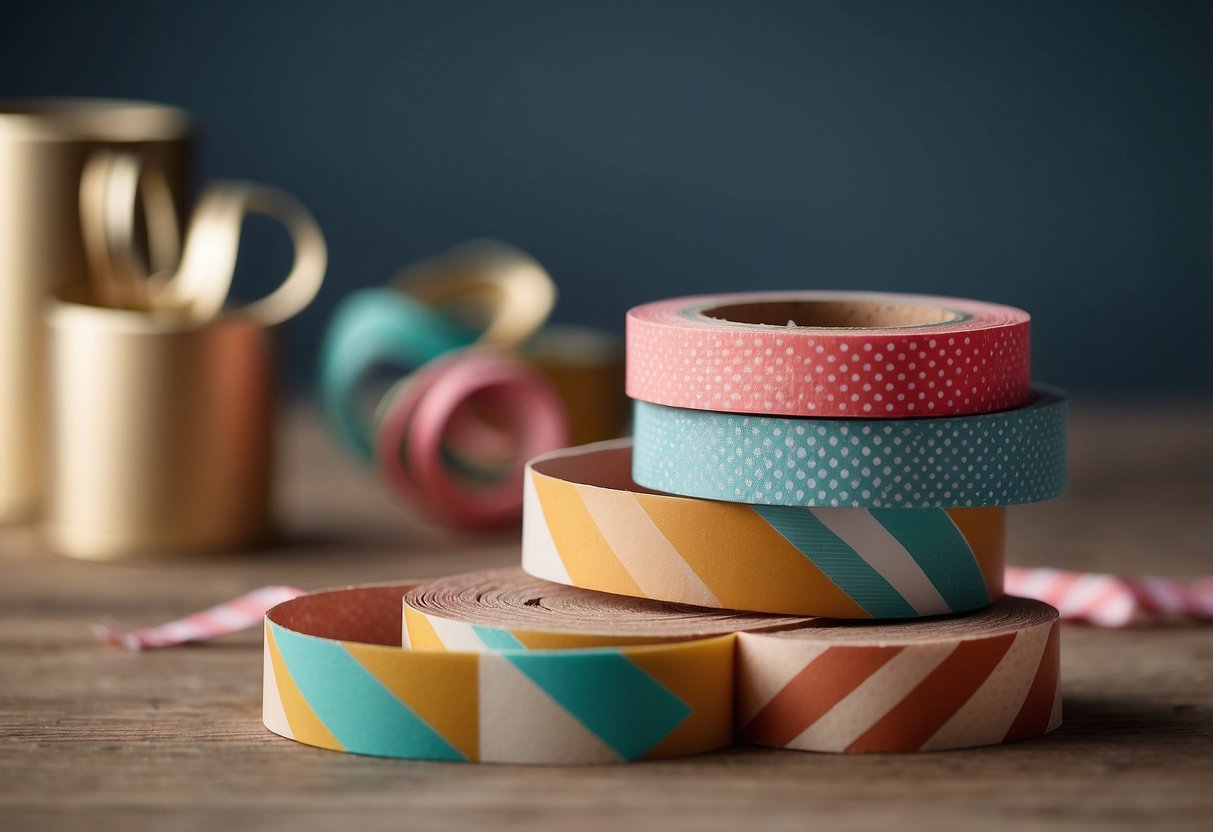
{"x": 1052, "y": 155}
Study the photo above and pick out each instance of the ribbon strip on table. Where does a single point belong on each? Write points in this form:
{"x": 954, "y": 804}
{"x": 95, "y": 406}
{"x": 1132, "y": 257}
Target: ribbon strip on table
{"x": 829, "y": 354}
{"x": 992, "y": 459}
{"x": 1171, "y": 601}
{"x": 1115, "y": 600}
{"x": 232, "y": 616}
{"x": 586, "y": 524}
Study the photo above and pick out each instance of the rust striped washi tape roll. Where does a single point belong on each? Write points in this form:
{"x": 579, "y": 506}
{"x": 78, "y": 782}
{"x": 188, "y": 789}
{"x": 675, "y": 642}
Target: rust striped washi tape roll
{"x": 808, "y": 684}
{"x": 983, "y": 678}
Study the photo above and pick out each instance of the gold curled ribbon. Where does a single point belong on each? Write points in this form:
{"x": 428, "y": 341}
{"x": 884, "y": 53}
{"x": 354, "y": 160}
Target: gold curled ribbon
{"x": 200, "y": 287}
{"x": 111, "y": 187}
{"x": 196, "y": 286}
{"x": 493, "y": 286}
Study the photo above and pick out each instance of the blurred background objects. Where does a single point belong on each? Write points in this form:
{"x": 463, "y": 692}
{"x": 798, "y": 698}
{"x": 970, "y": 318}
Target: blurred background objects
{"x": 1050, "y": 156}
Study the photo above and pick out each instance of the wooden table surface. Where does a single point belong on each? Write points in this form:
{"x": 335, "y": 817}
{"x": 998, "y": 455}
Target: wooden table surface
{"x": 92, "y": 737}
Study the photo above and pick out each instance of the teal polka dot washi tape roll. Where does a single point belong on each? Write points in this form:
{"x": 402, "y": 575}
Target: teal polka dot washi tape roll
{"x": 992, "y": 459}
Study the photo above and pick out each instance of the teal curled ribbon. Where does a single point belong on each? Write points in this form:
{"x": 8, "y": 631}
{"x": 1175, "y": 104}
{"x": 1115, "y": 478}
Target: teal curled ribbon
{"x": 377, "y": 329}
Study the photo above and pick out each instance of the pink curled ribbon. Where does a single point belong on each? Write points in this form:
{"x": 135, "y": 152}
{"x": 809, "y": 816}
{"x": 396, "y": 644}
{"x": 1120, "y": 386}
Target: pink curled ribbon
{"x": 220, "y": 620}
{"x": 1114, "y": 600}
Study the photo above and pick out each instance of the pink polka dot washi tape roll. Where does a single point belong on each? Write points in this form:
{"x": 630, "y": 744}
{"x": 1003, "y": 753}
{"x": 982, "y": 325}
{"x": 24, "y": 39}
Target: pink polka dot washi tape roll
{"x": 857, "y": 355}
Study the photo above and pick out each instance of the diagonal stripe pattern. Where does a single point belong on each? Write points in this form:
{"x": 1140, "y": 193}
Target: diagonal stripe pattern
{"x": 585, "y": 524}
{"x": 498, "y": 702}
{"x": 913, "y": 696}
{"x": 334, "y": 678}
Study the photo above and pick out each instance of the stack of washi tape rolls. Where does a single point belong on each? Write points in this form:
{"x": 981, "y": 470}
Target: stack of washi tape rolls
{"x": 802, "y": 549}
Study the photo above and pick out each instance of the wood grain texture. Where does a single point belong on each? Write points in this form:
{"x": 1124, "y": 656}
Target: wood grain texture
{"x": 95, "y": 738}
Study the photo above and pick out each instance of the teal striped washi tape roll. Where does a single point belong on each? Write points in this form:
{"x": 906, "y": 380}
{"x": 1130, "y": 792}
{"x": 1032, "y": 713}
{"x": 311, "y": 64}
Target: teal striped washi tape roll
{"x": 992, "y": 459}
{"x": 336, "y": 677}
{"x": 377, "y": 328}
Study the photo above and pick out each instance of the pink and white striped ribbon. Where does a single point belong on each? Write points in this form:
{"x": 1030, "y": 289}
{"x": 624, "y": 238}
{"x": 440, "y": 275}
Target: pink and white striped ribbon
{"x": 220, "y": 620}
{"x": 1099, "y": 599}
{"x": 1114, "y": 600}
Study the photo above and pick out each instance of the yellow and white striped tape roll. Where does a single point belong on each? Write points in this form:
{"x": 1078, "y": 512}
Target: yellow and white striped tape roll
{"x": 587, "y": 524}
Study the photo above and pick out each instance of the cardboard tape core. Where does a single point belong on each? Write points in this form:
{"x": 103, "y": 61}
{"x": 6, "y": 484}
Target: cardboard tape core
{"x": 832, "y": 314}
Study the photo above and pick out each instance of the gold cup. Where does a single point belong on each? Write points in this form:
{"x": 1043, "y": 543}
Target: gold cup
{"x": 44, "y": 144}
{"x": 586, "y": 366}
{"x": 161, "y": 433}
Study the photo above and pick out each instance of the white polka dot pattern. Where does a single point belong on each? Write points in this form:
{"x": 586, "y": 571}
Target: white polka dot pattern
{"x": 993, "y": 459}
{"x": 680, "y": 357}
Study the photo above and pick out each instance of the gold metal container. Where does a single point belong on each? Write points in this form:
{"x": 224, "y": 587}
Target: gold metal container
{"x": 586, "y": 366}
{"x": 44, "y": 144}
{"x": 160, "y": 432}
